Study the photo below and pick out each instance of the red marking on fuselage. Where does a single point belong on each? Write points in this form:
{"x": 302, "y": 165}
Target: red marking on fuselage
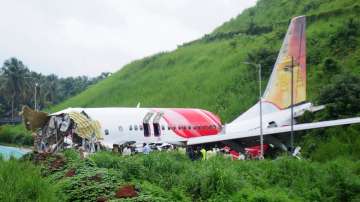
{"x": 199, "y": 121}
{"x": 213, "y": 117}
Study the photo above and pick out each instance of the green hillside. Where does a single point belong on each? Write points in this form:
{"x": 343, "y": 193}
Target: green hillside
{"x": 209, "y": 73}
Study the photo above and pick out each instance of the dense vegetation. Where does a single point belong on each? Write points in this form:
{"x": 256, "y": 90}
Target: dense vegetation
{"x": 22, "y": 181}
{"x": 18, "y": 83}
{"x": 15, "y": 135}
{"x": 171, "y": 176}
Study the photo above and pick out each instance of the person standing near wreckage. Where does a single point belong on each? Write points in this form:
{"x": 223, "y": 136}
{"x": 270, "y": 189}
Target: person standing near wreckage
{"x": 126, "y": 151}
{"x": 146, "y": 148}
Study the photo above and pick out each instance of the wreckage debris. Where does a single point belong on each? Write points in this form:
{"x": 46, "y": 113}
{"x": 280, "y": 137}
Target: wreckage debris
{"x": 97, "y": 177}
{"x": 71, "y": 172}
{"x": 101, "y": 199}
{"x": 54, "y": 132}
{"x": 39, "y": 157}
{"x": 57, "y": 164}
{"x": 126, "y": 191}
{"x": 33, "y": 119}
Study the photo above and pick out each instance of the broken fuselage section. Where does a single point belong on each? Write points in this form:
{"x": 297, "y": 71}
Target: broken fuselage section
{"x": 54, "y": 132}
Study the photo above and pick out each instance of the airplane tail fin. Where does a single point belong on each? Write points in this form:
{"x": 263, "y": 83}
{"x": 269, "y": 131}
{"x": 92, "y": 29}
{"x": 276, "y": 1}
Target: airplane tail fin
{"x": 292, "y": 56}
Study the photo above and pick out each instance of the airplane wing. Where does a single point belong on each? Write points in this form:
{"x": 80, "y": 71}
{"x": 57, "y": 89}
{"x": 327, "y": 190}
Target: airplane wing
{"x": 269, "y": 131}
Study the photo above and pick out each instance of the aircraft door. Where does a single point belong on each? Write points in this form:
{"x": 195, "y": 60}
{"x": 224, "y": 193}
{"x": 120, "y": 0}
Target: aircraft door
{"x": 156, "y": 124}
{"x": 146, "y": 124}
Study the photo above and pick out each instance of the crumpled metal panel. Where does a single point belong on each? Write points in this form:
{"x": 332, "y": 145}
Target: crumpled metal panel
{"x": 85, "y": 127}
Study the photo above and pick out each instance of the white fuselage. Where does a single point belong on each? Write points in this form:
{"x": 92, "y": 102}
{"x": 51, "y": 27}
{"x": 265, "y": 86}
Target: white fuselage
{"x": 120, "y": 125}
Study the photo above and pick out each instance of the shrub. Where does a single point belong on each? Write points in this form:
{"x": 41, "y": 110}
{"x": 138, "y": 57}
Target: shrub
{"x": 71, "y": 155}
{"x": 15, "y": 135}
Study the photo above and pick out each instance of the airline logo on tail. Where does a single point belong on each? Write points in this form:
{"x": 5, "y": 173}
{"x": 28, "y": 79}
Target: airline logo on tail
{"x": 292, "y": 57}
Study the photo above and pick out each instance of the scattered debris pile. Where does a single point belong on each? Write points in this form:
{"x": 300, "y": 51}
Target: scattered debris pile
{"x": 127, "y": 191}
{"x": 56, "y": 131}
{"x": 71, "y": 172}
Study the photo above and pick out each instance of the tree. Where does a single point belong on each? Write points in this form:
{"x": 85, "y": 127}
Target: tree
{"x": 18, "y": 83}
{"x": 342, "y": 97}
{"x": 14, "y": 86}
{"x": 265, "y": 57}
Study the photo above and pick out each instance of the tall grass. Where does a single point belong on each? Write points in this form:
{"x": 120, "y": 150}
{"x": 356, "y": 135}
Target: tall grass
{"x": 220, "y": 179}
{"x": 171, "y": 176}
{"x": 21, "y": 181}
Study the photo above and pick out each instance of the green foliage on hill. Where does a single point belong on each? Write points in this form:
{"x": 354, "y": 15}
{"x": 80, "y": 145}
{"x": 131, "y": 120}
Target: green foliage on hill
{"x": 171, "y": 176}
{"x": 341, "y": 97}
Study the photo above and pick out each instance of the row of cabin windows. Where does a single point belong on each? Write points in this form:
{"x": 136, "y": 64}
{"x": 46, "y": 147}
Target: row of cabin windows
{"x": 140, "y": 127}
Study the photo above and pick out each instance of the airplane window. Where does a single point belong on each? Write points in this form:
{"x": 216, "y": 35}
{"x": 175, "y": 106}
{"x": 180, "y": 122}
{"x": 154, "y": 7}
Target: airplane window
{"x": 179, "y": 127}
{"x": 141, "y": 127}
{"x": 130, "y": 128}
{"x": 106, "y": 132}
{"x": 120, "y": 128}
{"x": 135, "y": 127}
{"x": 189, "y": 127}
{"x": 168, "y": 127}
{"x": 163, "y": 127}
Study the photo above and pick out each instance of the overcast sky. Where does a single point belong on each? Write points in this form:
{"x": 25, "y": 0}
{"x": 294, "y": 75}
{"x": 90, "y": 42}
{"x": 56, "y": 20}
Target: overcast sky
{"x": 87, "y": 37}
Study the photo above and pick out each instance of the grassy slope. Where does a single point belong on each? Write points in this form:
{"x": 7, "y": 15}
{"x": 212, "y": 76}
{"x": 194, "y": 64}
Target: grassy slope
{"x": 22, "y": 181}
{"x": 209, "y": 73}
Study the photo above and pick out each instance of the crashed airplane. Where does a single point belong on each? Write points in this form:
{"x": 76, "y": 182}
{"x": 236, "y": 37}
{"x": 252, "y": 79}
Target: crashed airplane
{"x": 283, "y": 100}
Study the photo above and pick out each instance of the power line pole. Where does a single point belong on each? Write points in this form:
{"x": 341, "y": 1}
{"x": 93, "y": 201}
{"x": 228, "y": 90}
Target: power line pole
{"x": 260, "y": 111}
{"x": 292, "y": 105}
{"x": 35, "y": 96}
{"x": 36, "y": 84}
{"x": 261, "y": 118}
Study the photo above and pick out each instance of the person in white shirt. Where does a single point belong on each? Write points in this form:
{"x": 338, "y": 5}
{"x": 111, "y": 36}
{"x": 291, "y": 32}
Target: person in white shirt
{"x": 146, "y": 149}
{"x": 126, "y": 151}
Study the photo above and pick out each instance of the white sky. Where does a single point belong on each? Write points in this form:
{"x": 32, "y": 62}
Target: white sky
{"x": 87, "y": 37}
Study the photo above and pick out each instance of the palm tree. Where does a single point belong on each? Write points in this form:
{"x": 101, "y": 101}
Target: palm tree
{"x": 15, "y": 85}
